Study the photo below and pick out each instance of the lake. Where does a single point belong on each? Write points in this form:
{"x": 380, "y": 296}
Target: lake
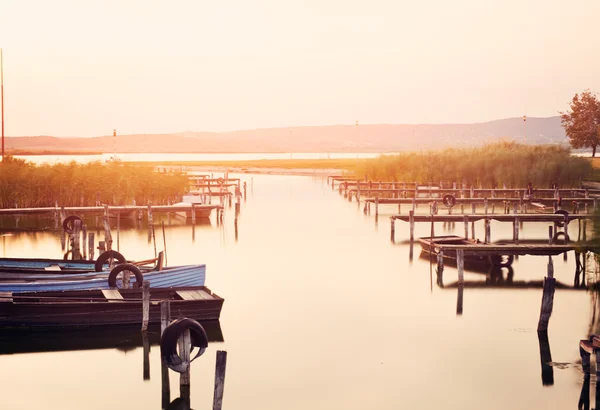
{"x": 322, "y": 311}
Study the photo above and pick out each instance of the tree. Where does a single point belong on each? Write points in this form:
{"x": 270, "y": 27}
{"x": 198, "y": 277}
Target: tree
{"x": 582, "y": 121}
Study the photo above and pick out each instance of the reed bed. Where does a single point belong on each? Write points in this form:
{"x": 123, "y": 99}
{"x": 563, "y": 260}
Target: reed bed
{"x": 493, "y": 165}
{"x": 25, "y": 185}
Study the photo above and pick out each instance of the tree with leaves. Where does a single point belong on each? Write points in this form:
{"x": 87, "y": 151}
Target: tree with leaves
{"x": 582, "y": 121}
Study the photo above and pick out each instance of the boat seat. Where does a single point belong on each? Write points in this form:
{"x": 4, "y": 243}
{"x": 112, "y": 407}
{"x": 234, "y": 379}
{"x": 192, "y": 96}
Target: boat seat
{"x": 194, "y": 295}
{"x": 53, "y": 268}
{"x": 112, "y": 294}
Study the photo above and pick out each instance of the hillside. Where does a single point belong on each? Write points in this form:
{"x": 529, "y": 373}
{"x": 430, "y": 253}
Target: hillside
{"x": 334, "y": 138}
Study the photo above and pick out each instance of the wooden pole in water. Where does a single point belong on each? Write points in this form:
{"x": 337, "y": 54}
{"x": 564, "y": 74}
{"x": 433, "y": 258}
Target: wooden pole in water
{"x": 472, "y": 229}
{"x": 376, "y": 206}
{"x": 84, "y": 240}
{"x": 185, "y": 346}
{"x": 219, "y": 379}
{"x": 146, "y": 348}
{"x": 76, "y": 251}
{"x": 145, "y": 305}
{"x": 566, "y": 228}
{"x": 487, "y": 230}
{"x": 393, "y": 229}
{"x": 165, "y": 319}
{"x": 547, "y": 298}
{"x": 92, "y": 246}
{"x": 550, "y": 235}
{"x": 440, "y": 262}
{"x": 466, "y": 221}
{"x": 460, "y": 262}
{"x": 411, "y": 220}
{"x": 194, "y": 214}
{"x": 107, "y": 234}
{"x": 459, "y": 299}
{"x": 485, "y": 206}
{"x": 164, "y": 242}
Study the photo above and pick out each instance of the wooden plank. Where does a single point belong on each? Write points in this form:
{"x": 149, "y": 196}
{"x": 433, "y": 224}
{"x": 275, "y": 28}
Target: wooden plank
{"x": 6, "y": 297}
{"x": 112, "y": 294}
{"x": 194, "y": 295}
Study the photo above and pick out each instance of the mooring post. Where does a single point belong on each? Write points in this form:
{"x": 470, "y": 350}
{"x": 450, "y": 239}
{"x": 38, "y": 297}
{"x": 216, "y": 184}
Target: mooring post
{"x": 399, "y": 208}
{"x": 393, "y": 229}
{"x": 473, "y": 229}
{"x": 466, "y": 221}
{"x": 459, "y": 299}
{"x": 107, "y": 234}
{"x": 440, "y": 261}
{"x": 185, "y": 346}
{"x": 146, "y": 348}
{"x": 547, "y": 298}
{"x": 165, "y": 319}
{"x": 84, "y": 240}
{"x": 515, "y": 230}
{"x": 550, "y": 235}
{"x": 92, "y": 246}
{"x": 411, "y": 221}
{"x": 220, "y": 367}
{"x": 486, "y": 231}
{"x": 460, "y": 262}
{"x": 145, "y": 305}
{"x": 194, "y": 214}
{"x": 485, "y": 206}
{"x": 566, "y": 228}
{"x": 585, "y": 360}
{"x": 76, "y": 251}
{"x": 376, "y": 206}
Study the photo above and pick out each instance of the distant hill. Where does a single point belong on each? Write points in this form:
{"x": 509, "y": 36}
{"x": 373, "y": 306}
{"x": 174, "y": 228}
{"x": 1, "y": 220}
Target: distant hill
{"x": 333, "y": 138}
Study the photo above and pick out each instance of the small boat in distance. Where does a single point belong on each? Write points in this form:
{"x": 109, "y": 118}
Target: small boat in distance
{"x": 474, "y": 262}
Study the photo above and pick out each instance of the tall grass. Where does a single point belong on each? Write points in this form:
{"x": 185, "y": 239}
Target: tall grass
{"x": 493, "y": 165}
{"x": 26, "y": 185}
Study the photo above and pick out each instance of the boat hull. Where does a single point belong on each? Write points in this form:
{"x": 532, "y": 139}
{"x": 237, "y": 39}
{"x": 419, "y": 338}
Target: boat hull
{"x": 177, "y": 276}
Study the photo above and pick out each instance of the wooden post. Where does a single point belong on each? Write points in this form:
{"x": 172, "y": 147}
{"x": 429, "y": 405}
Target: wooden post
{"x": 92, "y": 246}
{"x": 118, "y": 229}
{"x": 473, "y": 208}
{"x": 376, "y": 206}
{"x": 515, "y": 230}
{"x": 185, "y": 346}
{"x": 515, "y": 210}
{"x": 84, "y": 240}
{"x": 76, "y": 251}
{"x": 411, "y": 220}
{"x": 165, "y": 319}
{"x": 466, "y": 221}
{"x": 440, "y": 262}
{"x": 459, "y": 299}
{"x": 219, "y": 379}
{"x": 460, "y": 262}
{"x": 107, "y": 234}
{"x": 566, "y": 228}
{"x": 547, "y": 298}
{"x": 414, "y": 204}
{"x": 393, "y": 229}
{"x": 485, "y": 206}
{"x": 585, "y": 360}
{"x": 546, "y": 359}
{"x": 194, "y": 214}
{"x": 486, "y": 230}
{"x": 399, "y": 208}
{"x": 146, "y": 347}
{"x": 473, "y": 229}
{"x": 145, "y": 305}
{"x": 550, "y": 235}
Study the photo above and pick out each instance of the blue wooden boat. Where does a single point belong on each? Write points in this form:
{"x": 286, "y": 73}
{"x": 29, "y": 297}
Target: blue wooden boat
{"x": 169, "y": 277}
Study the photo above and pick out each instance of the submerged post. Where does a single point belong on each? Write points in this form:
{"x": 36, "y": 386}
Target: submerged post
{"x": 460, "y": 262}
{"x": 393, "y": 229}
{"x": 411, "y": 221}
{"x": 145, "y": 305}
{"x": 547, "y": 298}
{"x": 220, "y": 367}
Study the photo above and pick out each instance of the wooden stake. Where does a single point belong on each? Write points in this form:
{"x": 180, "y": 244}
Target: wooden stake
{"x": 466, "y": 221}
{"x": 165, "y": 241}
{"x": 146, "y": 347}
{"x": 393, "y": 229}
{"x": 219, "y": 379}
{"x": 145, "y": 305}
{"x": 547, "y": 298}
{"x": 460, "y": 262}
{"x": 411, "y": 220}
{"x": 185, "y": 346}
{"x": 92, "y": 246}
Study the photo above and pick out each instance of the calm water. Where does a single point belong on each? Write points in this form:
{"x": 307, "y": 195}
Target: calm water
{"x": 133, "y": 157}
{"x": 323, "y": 312}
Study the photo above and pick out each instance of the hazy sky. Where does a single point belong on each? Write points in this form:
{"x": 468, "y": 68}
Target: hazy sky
{"x": 82, "y": 67}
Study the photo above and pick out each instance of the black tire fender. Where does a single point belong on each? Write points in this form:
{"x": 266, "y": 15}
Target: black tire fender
{"x": 561, "y": 212}
{"x": 112, "y": 276}
{"x": 69, "y": 223}
{"x": 168, "y": 342}
{"x": 449, "y": 200}
{"x": 105, "y": 256}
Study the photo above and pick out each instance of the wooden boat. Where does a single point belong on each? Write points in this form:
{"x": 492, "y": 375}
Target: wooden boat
{"x": 176, "y": 276}
{"x": 474, "y": 262}
{"x": 97, "y": 308}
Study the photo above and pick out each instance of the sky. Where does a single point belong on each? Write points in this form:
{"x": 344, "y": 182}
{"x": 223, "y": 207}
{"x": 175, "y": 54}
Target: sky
{"x": 84, "y": 67}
